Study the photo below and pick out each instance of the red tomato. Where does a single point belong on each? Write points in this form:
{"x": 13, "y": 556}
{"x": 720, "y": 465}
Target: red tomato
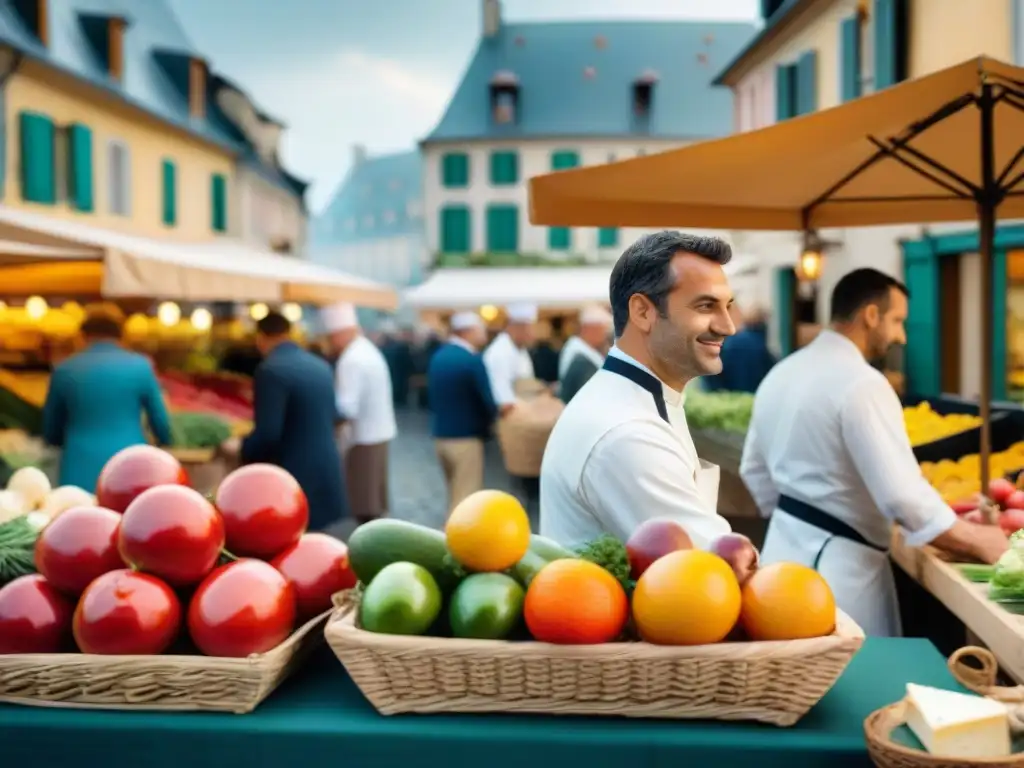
{"x": 172, "y": 532}
{"x": 124, "y": 612}
{"x": 134, "y": 470}
{"x": 999, "y": 490}
{"x": 77, "y": 547}
{"x": 242, "y": 608}
{"x": 1011, "y": 521}
{"x": 264, "y": 510}
{"x": 1015, "y": 500}
{"x": 317, "y": 566}
{"x": 34, "y": 617}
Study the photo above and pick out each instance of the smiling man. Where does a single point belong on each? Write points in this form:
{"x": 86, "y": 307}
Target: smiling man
{"x": 621, "y": 452}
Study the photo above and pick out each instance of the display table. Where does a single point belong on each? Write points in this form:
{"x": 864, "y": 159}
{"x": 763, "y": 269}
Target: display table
{"x": 320, "y": 720}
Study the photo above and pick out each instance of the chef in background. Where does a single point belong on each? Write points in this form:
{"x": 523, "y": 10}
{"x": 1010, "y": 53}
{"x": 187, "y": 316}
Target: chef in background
{"x": 583, "y": 354}
{"x": 364, "y": 398}
{"x": 828, "y": 458}
{"x": 508, "y": 357}
{"x": 621, "y": 452}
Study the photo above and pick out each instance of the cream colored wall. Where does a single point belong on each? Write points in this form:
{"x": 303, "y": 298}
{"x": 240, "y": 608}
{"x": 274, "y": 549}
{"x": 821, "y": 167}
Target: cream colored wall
{"x": 946, "y": 32}
{"x": 150, "y": 142}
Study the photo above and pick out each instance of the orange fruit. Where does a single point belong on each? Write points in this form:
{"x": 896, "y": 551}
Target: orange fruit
{"x": 689, "y": 597}
{"x": 488, "y": 531}
{"x": 575, "y": 602}
{"x": 787, "y": 601}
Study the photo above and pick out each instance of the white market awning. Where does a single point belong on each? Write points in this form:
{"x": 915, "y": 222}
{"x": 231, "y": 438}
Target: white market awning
{"x": 220, "y": 270}
{"x": 548, "y": 287}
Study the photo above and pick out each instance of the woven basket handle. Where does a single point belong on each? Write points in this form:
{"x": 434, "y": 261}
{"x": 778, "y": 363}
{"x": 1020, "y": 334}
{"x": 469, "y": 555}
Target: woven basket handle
{"x": 344, "y": 602}
{"x": 982, "y": 681}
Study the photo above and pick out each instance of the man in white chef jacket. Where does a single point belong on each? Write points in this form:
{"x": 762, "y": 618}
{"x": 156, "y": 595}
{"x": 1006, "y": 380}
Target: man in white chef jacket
{"x": 363, "y": 387}
{"x": 828, "y": 458}
{"x": 621, "y": 452}
{"x": 507, "y": 359}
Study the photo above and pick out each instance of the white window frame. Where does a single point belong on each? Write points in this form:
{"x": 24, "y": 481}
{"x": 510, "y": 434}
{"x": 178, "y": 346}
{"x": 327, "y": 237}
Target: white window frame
{"x": 119, "y": 184}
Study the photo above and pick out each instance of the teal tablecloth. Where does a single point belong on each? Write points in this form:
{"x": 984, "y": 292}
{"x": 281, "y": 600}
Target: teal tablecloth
{"x": 320, "y": 720}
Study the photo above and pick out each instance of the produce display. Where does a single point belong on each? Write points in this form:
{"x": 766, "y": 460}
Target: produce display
{"x": 959, "y": 482}
{"x": 19, "y": 449}
{"x": 142, "y": 568}
{"x": 924, "y": 425}
{"x": 184, "y": 393}
{"x": 487, "y": 577}
{"x": 727, "y": 411}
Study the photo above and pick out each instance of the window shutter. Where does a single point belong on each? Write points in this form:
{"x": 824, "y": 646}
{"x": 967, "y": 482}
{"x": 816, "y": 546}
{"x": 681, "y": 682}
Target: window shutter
{"x": 38, "y": 177}
{"x": 608, "y": 237}
{"x": 504, "y": 168}
{"x": 849, "y": 58}
{"x": 455, "y": 229}
{"x": 455, "y": 170}
{"x": 564, "y": 160}
{"x": 890, "y": 42}
{"x": 169, "y": 176}
{"x": 785, "y": 295}
{"x": 219, "y": 203}
{"x": 807, "y": 83}
{"x": 559, "y": 238}
{"x": 80, "y": 175}
{"x": 922, "y": 357}
{"x": 502, "y": 229}
{"x": 783, "y": 92}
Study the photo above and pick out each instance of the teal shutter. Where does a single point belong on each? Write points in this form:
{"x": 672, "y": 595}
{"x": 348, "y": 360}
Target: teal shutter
{"x": 849, "y": 58}
{"x": 784, "y": 95}
{"x": 999, "y": 327}
{"x": 219, "y": 203}
{"x": 80, "y": 176}
{"x": 807, "y": 83}
{"x": 455, "y": 230}
{"x": 455, "y": 170}
{"x": 785, "y": 294}
{"x": 38, "y": 178}
{"x": 504, "y": 168}
{"x": 502, "y": 229}
{"x": 922, "y": 358}
{"x": 608, "y": 237}
{"x": 169, "y": 175}
{"x": 564, "y": 159}
{"x": 890, "y": 42}
{"x": 559, "y": 238}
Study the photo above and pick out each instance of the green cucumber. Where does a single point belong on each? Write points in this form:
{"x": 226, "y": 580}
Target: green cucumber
{"x": 549, "y": 549}
{"x": 541, "y": 552}
{"x": 486, "y": 606}
{"x": 377, "y": 544}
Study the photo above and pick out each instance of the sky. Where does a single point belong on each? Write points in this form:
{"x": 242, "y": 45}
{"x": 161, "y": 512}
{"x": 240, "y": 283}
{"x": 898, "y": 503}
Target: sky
{"x": 377, "y": 73}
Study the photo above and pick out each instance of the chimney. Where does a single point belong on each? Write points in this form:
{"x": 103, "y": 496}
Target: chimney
{"x": 492, "y": 18}
{"x": 358, "y": 154}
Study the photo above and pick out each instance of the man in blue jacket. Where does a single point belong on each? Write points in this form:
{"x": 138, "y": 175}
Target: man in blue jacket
{"x": 746, "y": 358}
{"x": 462, "y": 406}
{"x": 295, "y": 417}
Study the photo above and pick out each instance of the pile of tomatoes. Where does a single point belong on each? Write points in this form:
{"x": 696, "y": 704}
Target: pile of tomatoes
{"x": 144, "y": 571}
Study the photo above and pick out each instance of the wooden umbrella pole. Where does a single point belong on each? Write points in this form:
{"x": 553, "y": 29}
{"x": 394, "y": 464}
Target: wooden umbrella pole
{"x": 989, "y": 193}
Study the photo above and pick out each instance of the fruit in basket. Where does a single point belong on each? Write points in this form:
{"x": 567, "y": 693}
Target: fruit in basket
{"x": 1000, "y": 489}
{"x": 32, "y": 484}
{"x": 317, "y": 566}
{"x": 575, "y": 602}
{"x": 264, "y": 510}
{"x": 133, "y": 470}
{"x": 124, "y": 612}
{"x": 653, "y": 539}
{"x": 787, "y": 601}
{"x": 242, "y": 608}
{"x": 34, "y": 617}
{"x": 171, "y": 532}
{"x": 403, "y": 599}
{"x": 488, "y": 531}
{"x": 1011, "y": 520}
{"x": 486, "y": 606}
{"x": 739, "y": 552}
{"x": 376, "y": 544}
{"x": 78, "y": 547}
{"x": 964, "y": 506}
{"x": 1015, "y": 500}
{"x": 686, "y": 598}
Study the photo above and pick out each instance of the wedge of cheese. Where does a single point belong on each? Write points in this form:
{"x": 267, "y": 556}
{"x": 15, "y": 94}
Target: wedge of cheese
{"x": 951, "y": 724}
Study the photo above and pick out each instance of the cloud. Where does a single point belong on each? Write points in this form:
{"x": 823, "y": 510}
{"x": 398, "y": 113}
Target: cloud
{"x": 403, "y": 80}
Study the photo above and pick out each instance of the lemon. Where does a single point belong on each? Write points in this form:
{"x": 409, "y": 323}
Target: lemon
{"x": 488, "y": 531}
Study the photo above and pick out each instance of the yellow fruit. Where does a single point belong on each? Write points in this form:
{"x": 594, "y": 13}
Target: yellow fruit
{"x": 488, "y": 531}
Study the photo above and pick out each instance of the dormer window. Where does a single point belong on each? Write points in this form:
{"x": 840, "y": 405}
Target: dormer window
{"x": 504, "y": 89}
{"x": 643, "y": 93}
{"x": 197, "y": 88}
{"x": 106, "y": 37}
{"x": 33, "y": 14}
{"x": 115, "y": 47}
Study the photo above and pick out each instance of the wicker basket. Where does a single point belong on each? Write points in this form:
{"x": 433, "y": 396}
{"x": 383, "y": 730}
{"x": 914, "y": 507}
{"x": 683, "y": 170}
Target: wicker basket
{"x": 771, "y": 682}
{"x": 879, "y": 725}
{"x": 523, "y": 434}
{"x": 183, "y": 683}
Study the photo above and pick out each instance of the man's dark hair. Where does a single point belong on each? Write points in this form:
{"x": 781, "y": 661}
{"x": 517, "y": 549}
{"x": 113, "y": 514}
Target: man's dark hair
{"x": 644, "y": 268}
{"x": 101, "y": 326}
{"x": 856, "y": 290}
{"x": 274, "y": 324}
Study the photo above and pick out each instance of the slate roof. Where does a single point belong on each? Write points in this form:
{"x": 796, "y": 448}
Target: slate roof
{"x": 575, "y": 79}
{"x": 379, "y": 197}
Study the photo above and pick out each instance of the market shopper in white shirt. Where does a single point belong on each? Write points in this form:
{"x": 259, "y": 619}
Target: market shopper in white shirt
{"x": 828, "y": 458}
{"x": 621, "y": 452}
{"x": 508, "y": 358}
{"x": 363, "y": 386}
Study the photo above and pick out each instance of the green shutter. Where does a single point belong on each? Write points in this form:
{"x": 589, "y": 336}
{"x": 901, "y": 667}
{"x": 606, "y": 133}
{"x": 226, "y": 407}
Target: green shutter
{"x": 807, "y": 83}
{"x": 504, "y": 168}
{"x": 564, "y": 159}
{"x": 219, "y": 203}
{"x": 785, "y": 295}
{"x": 455, "y": 230}
{"x": 999, "y": 335}
{"x": 559, "y": 238}
{"x": 502, "y": 229}
{"x": 38, "y": 181}
{"x": 169, "y": 176}
{"x": 849, "y": 58}
{"x": 608, "y": 237}
{"x": 79, "y": 170}
{"x": 890, "y": 42}
{"x": 922, "y": 357}
{"x": 784, "y": 95}
{"x": 455, "y": 169}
